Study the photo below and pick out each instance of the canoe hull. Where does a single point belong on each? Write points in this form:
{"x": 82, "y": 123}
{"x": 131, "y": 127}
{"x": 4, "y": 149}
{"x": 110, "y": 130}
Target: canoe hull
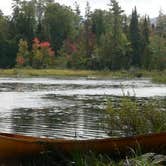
{"x": 17, "y": 146}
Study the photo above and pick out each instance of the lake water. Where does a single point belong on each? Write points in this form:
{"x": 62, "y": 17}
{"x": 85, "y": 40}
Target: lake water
{"x": 65, "y": 107}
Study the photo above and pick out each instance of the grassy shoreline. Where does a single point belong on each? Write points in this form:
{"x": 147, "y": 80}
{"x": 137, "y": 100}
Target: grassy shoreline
{"x": 62, "y": 72}
{"x": 157, "y": 76}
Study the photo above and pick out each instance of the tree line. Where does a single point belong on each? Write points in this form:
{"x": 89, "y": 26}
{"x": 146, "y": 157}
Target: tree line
{"x": 45, "y": 34}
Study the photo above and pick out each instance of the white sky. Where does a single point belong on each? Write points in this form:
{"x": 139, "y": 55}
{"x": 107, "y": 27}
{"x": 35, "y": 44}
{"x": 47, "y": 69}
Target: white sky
{"x": 150, "y": 7}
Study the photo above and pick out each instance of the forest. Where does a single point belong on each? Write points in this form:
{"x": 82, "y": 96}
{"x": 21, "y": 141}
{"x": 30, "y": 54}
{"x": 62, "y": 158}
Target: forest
{"x": 43, "y": 34}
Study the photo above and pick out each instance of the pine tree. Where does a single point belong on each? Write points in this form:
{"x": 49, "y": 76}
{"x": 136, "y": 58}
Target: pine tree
{"x": 125, "y": 25}
{"x": 145, "y": 30}
{"x": 135, "y": 39}
{"x": 161, "y": 24}
{"x": 116, "y": 11}
{"x": 98, "y": 23}
{"x": 119, "y": 43}
{"x": 88, "y": 31}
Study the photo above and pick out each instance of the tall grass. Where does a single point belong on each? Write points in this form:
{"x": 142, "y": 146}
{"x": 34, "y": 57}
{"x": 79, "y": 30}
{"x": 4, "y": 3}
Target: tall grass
{"x": 132, "y": 117}
{"x": 100, "y": 160}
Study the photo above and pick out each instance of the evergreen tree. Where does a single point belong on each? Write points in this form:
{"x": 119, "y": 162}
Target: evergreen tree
{"x": 125, "y": 25}
{"x": 116, "y": 11}
{"x": 88, "y": 31}
{"x": 145, "y": 31}
{"x": 119, "y": 45}
{"x": 77, "y": 9}
{"x": 98, "y": 23}
{"x": 40, "y": 7}
{"x": 161, "y": 24}
{"x": 135, "y": 39}
{"x": 7, "y": 44}
{"x": 78, "y": 20}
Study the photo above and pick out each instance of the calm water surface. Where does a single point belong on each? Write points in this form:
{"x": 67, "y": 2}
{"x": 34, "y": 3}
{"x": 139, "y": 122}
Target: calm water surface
{"x": 65, "y": 107}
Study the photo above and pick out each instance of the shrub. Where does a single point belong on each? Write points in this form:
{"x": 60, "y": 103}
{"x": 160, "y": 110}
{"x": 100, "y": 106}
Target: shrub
{"x": 42, "y": 54}
{"x": 23, "y": 54}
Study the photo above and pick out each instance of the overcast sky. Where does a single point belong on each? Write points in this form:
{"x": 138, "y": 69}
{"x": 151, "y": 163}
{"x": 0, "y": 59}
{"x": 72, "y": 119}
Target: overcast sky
{"x": 150, "y": 7}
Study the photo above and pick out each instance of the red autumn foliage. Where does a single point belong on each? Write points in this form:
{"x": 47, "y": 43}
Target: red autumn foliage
{"x": 44, "y": 44}
{"x": 37, "y": 45}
